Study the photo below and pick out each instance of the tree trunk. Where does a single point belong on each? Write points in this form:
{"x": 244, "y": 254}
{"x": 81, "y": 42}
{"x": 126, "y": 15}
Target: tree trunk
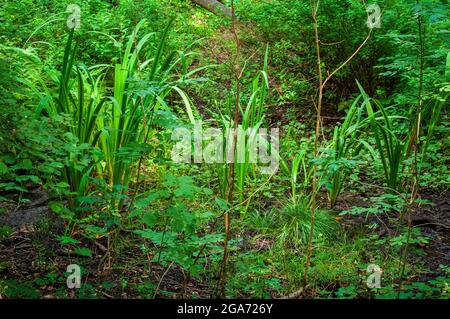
{"x": 215, "y": 7}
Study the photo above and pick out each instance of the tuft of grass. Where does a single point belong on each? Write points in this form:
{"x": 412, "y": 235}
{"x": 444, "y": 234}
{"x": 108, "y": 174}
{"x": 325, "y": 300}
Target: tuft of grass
{"x": 296, "y": 221}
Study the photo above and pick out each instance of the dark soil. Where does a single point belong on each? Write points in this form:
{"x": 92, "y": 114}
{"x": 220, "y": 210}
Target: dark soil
{"x": 27, "y": 214}
{"x": 433, "y": 221}
{"x": 31, "y": 252}
{"x": 21, "y": 253}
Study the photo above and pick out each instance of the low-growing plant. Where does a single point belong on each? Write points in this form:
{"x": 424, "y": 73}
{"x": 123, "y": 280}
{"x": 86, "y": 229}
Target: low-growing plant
{"x": 296, "y": 220}
{"x": 175, "y": 230}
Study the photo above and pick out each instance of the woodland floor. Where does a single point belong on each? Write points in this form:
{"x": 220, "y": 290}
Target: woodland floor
{"x": 31, "y": 250}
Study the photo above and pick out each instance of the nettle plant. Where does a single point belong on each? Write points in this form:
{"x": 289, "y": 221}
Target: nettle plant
{"x": 31, "y": 152}
{"x": 178, "y": 232}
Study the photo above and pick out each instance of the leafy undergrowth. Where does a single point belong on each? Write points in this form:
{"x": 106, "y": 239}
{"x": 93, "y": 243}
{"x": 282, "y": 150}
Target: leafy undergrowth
{"x": 120, "y": 176}
{"x": 267, "y": 261}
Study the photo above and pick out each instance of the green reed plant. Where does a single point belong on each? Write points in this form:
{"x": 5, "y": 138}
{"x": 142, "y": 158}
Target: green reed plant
{"x": 345, "y": 139}
{"x": 79, "y": 98}
{"x": 299, "y": 170}
{"x": 139, "y": 90}
{"x": 297, "y": 161}
{"x": 251, "y": 120}
{"x": 390, "y": 146}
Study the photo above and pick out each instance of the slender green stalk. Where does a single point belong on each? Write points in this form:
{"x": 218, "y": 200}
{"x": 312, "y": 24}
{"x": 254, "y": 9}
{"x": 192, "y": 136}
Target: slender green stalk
{"x": 231, "y": 176}
{"x": 314, "y": 6}
{"x": 414, "y": 143}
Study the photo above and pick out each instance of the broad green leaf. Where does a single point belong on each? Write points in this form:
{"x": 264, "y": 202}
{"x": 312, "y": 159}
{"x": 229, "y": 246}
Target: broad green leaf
{"x": 149, "y": 219}
{"x": 67, "y": 240}
{"x": 83, "y": 251}
{"x": 3, "y": 168}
